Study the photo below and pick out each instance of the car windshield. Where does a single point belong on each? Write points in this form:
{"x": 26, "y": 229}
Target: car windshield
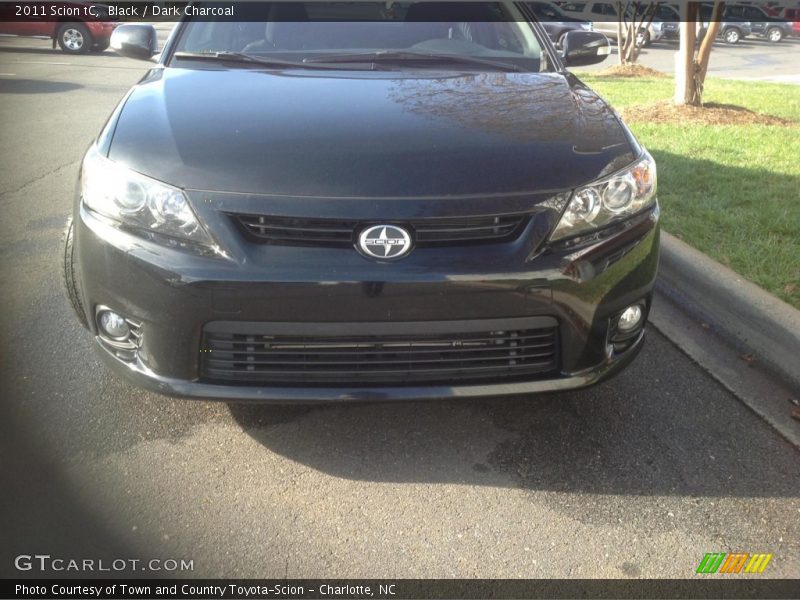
{"x": 661, "y": 12}
{"x": 368, "y": 35}
{"x": 546, "y": 11}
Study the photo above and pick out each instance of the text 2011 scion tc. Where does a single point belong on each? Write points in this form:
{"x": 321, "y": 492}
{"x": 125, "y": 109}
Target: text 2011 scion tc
{"x": 375, "y": 200}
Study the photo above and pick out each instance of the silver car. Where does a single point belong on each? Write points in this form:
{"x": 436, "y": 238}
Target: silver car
{"x": 605, "y": 18}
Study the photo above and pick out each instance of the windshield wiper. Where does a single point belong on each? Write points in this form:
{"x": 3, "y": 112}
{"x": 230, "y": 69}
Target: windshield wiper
{"x": 409, "y": 56}
{"x": 225, "y": 56}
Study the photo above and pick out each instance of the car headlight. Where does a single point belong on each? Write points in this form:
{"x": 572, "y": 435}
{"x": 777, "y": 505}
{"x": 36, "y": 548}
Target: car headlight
{"x": 137, "y": 201}
{"x": 612, "y": 198}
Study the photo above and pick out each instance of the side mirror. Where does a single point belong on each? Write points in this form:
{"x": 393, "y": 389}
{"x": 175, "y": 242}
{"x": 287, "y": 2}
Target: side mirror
{"x": 583, "y": 48}
{"x": 135, "y": 41}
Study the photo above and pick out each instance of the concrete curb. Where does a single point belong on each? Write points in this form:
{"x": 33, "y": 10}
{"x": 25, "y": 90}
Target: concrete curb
{"x": 740, "y": 312}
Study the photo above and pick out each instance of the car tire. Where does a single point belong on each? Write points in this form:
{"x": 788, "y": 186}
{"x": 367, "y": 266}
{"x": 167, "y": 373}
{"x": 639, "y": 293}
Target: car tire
{"x": 560, "y": 42}
{"x": 70, "y": 275}
{"x": 74, "y": 38}
{"x": 643, "y": 39}
{"x": 774, "y": 34}
{"x": 732, "y": 36}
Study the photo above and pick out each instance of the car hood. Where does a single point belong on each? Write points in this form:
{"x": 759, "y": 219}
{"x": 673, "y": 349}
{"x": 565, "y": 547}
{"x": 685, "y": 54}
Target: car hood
{"x": 373, "y": 134}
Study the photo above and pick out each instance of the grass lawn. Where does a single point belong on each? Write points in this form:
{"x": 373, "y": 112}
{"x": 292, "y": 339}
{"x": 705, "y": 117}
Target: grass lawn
{"x": 732, "y": 191}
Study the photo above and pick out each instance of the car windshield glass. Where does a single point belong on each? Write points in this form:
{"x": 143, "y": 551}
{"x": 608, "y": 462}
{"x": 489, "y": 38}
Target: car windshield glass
{"x": 660, "y": 12}
{"x": 484, "y": 36}
{"x": 546, "y": 11}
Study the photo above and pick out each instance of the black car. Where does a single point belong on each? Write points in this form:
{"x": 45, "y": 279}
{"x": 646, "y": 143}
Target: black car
{"x": 729, "y": 32}
{"x": 556, "y": 22}
{"x": 417, "y": 201}
{"x": 763, "y": 25}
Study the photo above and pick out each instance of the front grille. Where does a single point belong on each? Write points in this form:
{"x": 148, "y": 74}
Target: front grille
{"x": 440, "y": 231}
{"x": 353, "y": 360}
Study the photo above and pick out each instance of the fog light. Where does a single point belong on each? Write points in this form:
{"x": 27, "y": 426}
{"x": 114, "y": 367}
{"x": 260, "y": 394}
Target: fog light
{"x": 114, "y": 325}
{"x": 630, "y": 318}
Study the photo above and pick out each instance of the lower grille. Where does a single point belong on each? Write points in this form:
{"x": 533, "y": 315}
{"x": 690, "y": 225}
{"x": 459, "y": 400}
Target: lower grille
{"x": 445, "y": 358}
{"x": 443, "y": 231}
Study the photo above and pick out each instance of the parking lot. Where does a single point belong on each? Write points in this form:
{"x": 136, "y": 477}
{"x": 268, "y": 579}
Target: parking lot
{"x": 637, "y": 477}
{"x": 751, "y": 59}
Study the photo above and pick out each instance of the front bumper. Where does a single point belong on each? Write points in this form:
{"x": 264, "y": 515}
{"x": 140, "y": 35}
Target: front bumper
{"x": 671, "y": 31}
{"x": 140, "y": 375}
{"x": 175, "y": 295}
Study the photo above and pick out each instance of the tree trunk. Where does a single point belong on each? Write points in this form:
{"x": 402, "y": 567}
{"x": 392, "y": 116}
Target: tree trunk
{"x": 703, "y": 55}
{"x": 684, "y": 59}
{"x": 691, "y": 67}
{"x": 620, "y": 49}
{"x": 643, "y": 24}
{"x": 630, "y": 44}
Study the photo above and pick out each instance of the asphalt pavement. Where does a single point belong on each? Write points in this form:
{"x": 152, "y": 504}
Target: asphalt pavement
{"x": 752, "y": 59}
{"x": 637, "y": 477}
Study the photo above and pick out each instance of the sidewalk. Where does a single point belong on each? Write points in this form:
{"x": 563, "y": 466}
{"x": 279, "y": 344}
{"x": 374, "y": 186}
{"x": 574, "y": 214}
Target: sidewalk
{"x": 743, "y": 336}
{"x": 793, "y": 79}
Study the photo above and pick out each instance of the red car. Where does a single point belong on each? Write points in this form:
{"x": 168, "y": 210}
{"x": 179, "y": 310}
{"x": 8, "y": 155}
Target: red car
{"x": 77, "y": 27}
{"x": 793, "y": 15}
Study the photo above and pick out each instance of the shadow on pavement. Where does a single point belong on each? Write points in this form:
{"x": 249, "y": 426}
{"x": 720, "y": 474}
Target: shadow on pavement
{"x": 44, "y": 49}
{"x": 48, "y": 51}
{"x": 650, "y": 431}
{"x": 36, "y": 86}
{"x": 40, "y": 511}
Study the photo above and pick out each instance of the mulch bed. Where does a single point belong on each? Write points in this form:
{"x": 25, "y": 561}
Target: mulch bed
{"x": 708, "y": 114}
{"x": 632, "y": 70}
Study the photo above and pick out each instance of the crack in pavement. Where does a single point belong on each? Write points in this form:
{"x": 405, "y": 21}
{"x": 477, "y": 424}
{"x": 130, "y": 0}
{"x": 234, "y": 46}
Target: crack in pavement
{"x": 38, "y": 178}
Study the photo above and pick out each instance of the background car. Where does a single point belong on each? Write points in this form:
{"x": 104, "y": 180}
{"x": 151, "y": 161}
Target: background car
{"x": 772, "y": 28}
{"x": 772, "y": 7}
{"x": 731, "y": 32}
{"x": 792, "y": 15}
{"x": 77, "y": 27}
{"x": 556, "y": 22}
{"x": 669, "y": 17}
{"x": 604, "y": 18}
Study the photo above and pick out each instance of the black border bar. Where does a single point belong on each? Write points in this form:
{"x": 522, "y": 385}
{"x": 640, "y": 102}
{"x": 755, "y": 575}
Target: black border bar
{"x": 241, "y": 10}
{"x": 727, "y": 587}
